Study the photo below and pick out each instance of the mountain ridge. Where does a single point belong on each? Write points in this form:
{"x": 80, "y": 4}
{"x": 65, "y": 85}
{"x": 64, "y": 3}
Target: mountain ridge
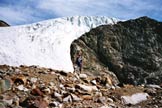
{"x": 3, "y": 24}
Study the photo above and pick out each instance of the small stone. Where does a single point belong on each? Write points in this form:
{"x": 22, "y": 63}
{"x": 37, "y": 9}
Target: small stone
{"x": 87, "y": 97}
{"x": 33, "y": 80}
{"x": 101, "y": 100}
{"x": 108, "y": 86}
{"x": 63, "y": 92}
{"x": 34, "y": 86}
{"x": 61, "y": 78}
{"x": 62, "y": 87}
{"x": 67, "y": 99}
{"x": 52, "y": 73}
{"x": 22, "y": 88}
{"x": 74, "y": 79}
{"x": 70, "y": 89}
{"x": 54, "y": 104}
{"x": 110, "y": 100}
{"x": 155, "y": 106}
{"x": 113, "y": 87}
{"x": 75, "y": 97}
{"x": 105, "y": 106}
{"x": 87, "y": 88}
{"x": 17, "y": 71}
{"x": 112, "y": 105}
{"x": 57, "y": 94}
{"x": 98, "y": 94}
{"x": 61, "y": 106}
{"x": 46, "y": 91}
{"x": 153, "y": 86}
{"x": 83, "y": 76}
{"x": 47, "y": 99}
{"x": 94, "y": 82}
{"x": 51, "y": 84}
{"x": 117, "y": 87}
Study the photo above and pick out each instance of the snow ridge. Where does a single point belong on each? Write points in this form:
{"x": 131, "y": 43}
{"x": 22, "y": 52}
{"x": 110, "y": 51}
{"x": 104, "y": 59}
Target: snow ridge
{"x": 46, "y": 43}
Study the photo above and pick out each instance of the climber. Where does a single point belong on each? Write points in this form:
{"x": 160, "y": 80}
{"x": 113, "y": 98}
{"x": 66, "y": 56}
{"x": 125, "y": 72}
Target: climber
{"x": 79, "y": 61}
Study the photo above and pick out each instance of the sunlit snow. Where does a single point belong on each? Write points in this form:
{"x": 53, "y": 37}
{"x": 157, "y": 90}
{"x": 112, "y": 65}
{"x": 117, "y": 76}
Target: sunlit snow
{"x": 135, "y": 98}
{"x": 46, "y": 43}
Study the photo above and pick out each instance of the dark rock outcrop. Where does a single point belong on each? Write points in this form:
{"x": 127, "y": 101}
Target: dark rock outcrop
{"x": 131, "y": 49}
{"x": 3, "y": 24}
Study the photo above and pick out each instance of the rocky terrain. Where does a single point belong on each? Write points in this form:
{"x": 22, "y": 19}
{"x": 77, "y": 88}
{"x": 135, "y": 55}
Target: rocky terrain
{"x": 131, "y": 49}
{"x": 3, "y": 24}
{"x": 38, "y": 87}
{"x": 121, "y": 69}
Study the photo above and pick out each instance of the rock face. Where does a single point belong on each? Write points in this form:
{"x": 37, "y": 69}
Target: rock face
{"x": 131, "y": 49}
{"x": 3, "y": 24}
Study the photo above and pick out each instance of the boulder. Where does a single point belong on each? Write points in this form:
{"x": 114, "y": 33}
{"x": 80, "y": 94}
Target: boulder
{"x": 130, "y": 50}
{"x": 135, "y": 98}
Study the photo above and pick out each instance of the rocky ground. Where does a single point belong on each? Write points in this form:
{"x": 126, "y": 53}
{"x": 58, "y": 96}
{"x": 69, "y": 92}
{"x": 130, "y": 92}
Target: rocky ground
{"x": 38, "y": 87}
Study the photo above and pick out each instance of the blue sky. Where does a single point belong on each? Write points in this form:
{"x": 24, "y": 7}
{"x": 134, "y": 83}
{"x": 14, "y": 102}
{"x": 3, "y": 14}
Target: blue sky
{"x": 18, "y": 12}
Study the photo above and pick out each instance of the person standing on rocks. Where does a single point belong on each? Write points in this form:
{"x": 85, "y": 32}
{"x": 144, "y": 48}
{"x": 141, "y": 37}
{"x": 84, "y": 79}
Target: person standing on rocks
{"x": 79, "y": 61}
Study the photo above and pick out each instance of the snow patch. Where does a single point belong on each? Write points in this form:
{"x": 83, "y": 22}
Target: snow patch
{"x": 135, "y": 98}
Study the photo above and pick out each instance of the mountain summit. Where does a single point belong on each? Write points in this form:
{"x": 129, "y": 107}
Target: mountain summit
{"x": 46, "y": 43}
{"x": 3, "y": 24}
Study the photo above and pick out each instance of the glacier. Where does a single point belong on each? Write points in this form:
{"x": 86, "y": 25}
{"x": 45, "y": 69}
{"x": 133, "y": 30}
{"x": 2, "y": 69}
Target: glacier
{"x": 46, "y": 43}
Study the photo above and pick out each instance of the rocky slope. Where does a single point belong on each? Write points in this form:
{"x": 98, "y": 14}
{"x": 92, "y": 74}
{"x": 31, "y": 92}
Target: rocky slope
{"x": 131, "y": 49}
{"x": 38, "y": 87}
{"x": 3, "y": 24}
